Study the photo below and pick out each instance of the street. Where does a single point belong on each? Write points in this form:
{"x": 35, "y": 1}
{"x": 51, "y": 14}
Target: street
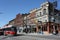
{"x": 27, "y": 37}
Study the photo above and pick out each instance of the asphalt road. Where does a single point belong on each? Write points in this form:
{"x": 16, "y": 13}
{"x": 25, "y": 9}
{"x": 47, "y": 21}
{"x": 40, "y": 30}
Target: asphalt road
{"x": 27, "y": 37}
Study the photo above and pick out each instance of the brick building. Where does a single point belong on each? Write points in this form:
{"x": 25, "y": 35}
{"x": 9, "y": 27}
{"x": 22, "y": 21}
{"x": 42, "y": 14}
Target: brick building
{"x": 30, "y": 21}
{"x": 11, "y": 22}
{"x": 18, "y": 20}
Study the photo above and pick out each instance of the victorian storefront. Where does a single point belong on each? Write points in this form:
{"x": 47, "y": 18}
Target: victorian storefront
{"x": 46, "y": 19}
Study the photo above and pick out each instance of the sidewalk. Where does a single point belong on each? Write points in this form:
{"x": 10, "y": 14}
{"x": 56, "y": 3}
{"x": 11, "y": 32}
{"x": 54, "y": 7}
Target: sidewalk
{"x": 42, "y": 35}
{"x": 38, "y": 34}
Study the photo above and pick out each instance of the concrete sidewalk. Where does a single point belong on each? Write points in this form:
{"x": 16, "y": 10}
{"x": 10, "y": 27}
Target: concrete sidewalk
{"x": 46, "y": 36}
{"x": 38, "y": 34}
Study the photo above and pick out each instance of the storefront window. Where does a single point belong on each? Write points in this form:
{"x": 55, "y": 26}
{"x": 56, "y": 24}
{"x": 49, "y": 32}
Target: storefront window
{"x": 45, "y": 28}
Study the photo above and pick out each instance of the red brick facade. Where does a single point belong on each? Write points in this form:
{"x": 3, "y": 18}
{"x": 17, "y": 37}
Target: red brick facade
{"x": 19, "y": 20}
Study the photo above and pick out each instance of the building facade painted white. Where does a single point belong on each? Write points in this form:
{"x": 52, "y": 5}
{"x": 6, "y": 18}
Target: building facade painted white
{"x": 42, "y": 13}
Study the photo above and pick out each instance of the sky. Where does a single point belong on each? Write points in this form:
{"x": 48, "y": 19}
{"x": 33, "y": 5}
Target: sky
{"x": 10, "y": 8}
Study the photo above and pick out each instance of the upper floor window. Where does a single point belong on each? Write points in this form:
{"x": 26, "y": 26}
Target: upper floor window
{"x": 45, "y": 20}
{"x": 40, "y": 13}
{"x": 44, "y": 11}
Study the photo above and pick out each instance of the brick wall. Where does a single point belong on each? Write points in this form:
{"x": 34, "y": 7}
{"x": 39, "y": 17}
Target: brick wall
{"x": 19, "y": 20}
